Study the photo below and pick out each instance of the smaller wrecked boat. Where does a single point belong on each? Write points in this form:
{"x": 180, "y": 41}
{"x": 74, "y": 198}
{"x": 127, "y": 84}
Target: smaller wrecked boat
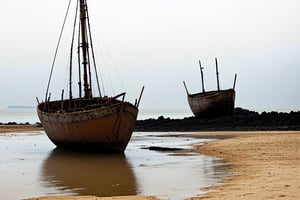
{"x": 212, "y": 104}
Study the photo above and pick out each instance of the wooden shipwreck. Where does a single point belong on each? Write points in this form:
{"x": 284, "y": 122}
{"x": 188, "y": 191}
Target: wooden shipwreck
{"x": 212, "y": 104}
{"x": 87, "y": 122}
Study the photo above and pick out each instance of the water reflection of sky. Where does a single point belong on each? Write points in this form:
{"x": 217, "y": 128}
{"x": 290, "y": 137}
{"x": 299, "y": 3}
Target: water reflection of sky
{"x": 173, "y": 175}
{"x": 30, "y": 166}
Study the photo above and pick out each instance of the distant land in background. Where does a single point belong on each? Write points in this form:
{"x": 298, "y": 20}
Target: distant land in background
{"x": 242, "y": 120}
{"x": 19, "y": 107}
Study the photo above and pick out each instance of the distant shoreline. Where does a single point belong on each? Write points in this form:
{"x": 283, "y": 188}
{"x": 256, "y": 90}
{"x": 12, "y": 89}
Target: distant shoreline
{"x": 242, "y": 120}
{"x": 19, "y": 107}
{"x": 13, "y": 128}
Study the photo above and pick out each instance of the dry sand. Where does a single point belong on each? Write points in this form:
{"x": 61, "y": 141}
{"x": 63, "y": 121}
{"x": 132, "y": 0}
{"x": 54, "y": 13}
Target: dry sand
{"x": 264, "y": 165}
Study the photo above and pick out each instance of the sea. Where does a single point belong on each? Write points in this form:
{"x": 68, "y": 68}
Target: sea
{"x": 28, "y": 114}
{"x": 32, "y": 166}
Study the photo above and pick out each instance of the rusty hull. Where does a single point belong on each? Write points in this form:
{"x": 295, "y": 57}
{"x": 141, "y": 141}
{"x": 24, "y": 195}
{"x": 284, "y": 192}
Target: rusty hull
{"x": 105, "y": 129}
{"x": 212, "y": 104}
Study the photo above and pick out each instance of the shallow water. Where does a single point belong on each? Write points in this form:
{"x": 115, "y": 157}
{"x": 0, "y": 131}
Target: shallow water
{"x": 31, "y": 166}
{"x": 18, "y": 115}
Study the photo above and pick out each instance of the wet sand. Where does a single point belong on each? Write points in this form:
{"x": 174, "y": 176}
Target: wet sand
{"x": 263, "y": 165}
{"x": 97, "y": 198}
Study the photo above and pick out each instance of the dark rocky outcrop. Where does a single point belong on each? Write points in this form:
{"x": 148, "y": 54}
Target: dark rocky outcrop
{"x": 242, "y": 120}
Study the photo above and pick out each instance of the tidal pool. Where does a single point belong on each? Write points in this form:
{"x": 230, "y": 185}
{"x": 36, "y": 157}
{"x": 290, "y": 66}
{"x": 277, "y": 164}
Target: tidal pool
{"x": 31, "y": 166}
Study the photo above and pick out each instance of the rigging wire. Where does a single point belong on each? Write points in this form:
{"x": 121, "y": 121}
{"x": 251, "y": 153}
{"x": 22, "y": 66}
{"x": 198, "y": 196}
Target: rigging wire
{"x": 79, "y": 68}
{"x": 71, "y": 52}
{"x": 93, "y": 54}
{"x": 116, "y": 68}
{"x": 56, "y": 50}
{"x": 66, "y": 85}
{"x": 110, "y": 61}
{"x": 102, "y": 59}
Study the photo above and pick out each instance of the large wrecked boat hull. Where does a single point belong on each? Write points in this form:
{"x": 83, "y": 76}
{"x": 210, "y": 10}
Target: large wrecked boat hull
{"x": 104, "y": 129}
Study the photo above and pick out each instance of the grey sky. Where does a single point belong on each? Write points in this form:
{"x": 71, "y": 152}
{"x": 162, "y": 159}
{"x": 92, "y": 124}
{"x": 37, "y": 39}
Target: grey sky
{"x": 158, "y": 44}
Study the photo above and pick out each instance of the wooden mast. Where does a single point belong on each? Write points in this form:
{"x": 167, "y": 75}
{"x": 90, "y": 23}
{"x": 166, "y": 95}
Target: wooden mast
{"x": 234, "y": 81}
{"x": 202, "y": 79}
{"x": 84, "y": 47}
{"x": 217, "y": 72}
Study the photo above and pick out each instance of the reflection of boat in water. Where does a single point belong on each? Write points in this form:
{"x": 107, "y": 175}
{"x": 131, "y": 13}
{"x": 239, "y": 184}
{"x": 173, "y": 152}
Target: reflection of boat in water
{"x": 211, "y": 104}
{"x": 89, "y": 174}
{"x": 87, "y": 122}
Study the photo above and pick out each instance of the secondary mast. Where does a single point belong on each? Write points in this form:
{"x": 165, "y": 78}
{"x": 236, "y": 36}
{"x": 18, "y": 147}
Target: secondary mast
{"x": 217, "y": 72}
{"x": 202, "y": 79}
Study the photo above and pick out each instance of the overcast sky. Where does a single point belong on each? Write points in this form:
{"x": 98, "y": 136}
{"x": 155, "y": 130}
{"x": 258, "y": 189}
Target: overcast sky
{"x": 158, "y": 44}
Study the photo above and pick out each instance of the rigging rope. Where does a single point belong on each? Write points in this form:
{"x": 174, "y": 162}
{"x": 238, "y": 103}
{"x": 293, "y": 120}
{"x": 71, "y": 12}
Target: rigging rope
{"x": 56, "y": 50}
{"x": 93, "y": 54}
{"x": 71, "y": 53}
{"x": 79, "y": 69}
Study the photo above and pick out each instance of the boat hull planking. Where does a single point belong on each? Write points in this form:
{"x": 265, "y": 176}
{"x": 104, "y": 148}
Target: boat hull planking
{"x": 105, "y": 129}
{"x": 212, "y": 104}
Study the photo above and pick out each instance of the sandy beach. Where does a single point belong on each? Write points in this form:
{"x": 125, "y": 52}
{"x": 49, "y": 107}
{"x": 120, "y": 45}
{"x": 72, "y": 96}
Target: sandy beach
{"x": 261, "y": 165}
{"x": 18, "y": 128}
{"x": 264, "y": 165}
